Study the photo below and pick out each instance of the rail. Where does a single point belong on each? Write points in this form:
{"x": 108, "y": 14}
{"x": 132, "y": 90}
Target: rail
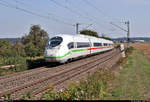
{"x": 59, "y": 77}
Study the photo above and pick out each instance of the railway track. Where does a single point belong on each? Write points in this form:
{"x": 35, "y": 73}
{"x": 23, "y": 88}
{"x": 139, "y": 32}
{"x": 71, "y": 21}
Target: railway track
{"x": 18, "y": 79}
{"x": 36, "y": 81}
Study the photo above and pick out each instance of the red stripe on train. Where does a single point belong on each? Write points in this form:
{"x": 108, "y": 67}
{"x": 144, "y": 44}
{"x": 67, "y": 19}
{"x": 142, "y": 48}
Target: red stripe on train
{"x": 97, "y": 48}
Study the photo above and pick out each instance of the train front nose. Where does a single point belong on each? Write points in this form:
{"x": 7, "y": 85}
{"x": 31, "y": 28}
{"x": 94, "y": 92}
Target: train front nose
{"x": 51, "y": 55}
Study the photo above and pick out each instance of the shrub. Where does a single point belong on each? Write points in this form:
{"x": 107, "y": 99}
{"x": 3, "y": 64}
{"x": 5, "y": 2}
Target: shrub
{"x": 93, "y": 88}
{"x": 19, "y": 62}
{"x": 27, "y": 96}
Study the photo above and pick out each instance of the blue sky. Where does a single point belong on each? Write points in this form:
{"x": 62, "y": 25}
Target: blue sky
{"x": 16, "y": 23}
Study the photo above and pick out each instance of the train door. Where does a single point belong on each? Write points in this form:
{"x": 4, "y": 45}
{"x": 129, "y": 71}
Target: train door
{"x": 90, "y": 46}
{"x": 71, "y": 47}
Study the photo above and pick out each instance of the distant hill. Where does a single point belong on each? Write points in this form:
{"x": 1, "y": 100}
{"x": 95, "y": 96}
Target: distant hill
{"x": 12, "y": 40}
{"x": 146, "y": 39}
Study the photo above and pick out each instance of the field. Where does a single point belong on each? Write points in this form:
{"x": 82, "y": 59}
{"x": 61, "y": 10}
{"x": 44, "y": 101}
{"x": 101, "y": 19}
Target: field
{"x": 145, "y": 47}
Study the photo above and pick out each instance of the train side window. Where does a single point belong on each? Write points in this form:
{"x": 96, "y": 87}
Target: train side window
{"x": 71, "y": 45}
{"x": 97, "y": 44}
{"x": 82, "y": 44}
{"x": 105, "y": 44}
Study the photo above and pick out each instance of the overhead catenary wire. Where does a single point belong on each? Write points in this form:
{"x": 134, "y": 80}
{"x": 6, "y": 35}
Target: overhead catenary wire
{"x": 83, "y": 11}
{"x": 90, "y": 4}
{"x": 99, "y": 10}
{"x": 19, "y": 2}
{"x": 44, "y": 12}
{"x": 51, "y": 16}
{"x": 90, "y": 17}
{"x": 9, "y": 5}
{"x": 70, "y": 10}
{"x": 88, "y": 26}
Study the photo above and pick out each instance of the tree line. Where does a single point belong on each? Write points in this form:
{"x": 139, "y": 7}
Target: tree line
{"x": 93, "y": 33}
{"x": 16, "y": 53}
{"x": 31, "y": 45}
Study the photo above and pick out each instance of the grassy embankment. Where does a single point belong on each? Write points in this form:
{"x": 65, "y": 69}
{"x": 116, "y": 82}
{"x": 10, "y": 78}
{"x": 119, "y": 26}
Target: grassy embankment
{"x": 133, "y": 83}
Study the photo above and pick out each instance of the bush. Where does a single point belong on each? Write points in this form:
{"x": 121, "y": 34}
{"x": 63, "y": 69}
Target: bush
{"x": 19, "y": 62}
{"x": 93, "y": 88}
{"x": 27, "y": 96}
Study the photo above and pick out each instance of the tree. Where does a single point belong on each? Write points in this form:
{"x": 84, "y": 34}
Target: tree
{"x": 89, "y": 33}
{"x": 5, "y": 48}
{"x": 105, "y": 37}
{"x": 37, "y": 39}
{"x": 19, "y": 49}
{"x": 31, "y": 50}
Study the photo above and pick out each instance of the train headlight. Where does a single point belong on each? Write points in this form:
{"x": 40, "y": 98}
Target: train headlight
{"x": 51, "y": 55}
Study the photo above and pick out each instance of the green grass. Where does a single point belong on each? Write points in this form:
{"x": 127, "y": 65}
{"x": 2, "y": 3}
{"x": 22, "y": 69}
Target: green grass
{"x": 133, "y": 83}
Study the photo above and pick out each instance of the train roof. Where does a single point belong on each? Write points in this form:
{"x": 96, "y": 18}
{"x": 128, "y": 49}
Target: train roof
{"x": 82, "y": 36}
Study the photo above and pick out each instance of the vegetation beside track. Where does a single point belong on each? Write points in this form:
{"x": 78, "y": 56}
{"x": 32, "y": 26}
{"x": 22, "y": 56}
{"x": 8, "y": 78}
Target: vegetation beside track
{"x": 90, "y": 89}
{"x": 133, "y": 81}
{"x": 20, "y": 64}
{"x": 94, "y": 88}
{"x": 21, "y": 54}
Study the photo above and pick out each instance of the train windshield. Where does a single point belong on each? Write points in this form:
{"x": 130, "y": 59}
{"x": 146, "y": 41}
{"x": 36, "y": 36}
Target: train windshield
{"x": 55, "y": 41}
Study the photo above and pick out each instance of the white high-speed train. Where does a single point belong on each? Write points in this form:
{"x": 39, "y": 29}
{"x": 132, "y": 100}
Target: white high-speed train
{"x": 62, "y": 48}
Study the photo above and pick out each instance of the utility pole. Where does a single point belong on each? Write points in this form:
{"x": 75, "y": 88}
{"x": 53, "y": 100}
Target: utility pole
{"x": 77, "y": 28}
{"x": 128, "y": 31}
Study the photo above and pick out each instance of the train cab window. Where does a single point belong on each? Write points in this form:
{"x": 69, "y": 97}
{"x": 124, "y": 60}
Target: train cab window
{"x": 55, "y": 41}
{"x": 71, "y": 45}
{"x": 97, "y": 44}
{"x": 82, "y": 44}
